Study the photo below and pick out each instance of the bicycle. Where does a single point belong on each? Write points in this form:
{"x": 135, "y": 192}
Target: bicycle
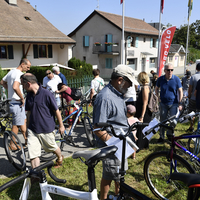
{"x": 160, "y": 165}
{"x": 91, "y": 157}
{"x": 67, "y": 137}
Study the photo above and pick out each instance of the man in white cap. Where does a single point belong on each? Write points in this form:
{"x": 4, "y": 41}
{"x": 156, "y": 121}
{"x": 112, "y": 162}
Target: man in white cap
{"x": 109, "y": 106}
{"x": 56, "y": 70}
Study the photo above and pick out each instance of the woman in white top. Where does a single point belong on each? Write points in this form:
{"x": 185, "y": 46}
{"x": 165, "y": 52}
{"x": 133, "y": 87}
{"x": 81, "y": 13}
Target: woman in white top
{"x": 96, "y": 84}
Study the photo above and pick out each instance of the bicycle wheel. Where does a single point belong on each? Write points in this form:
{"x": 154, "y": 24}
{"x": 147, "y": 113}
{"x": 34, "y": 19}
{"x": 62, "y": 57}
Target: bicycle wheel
{"x": 14, "y": 150}
{"x": 89, "y": 131}
{"x": 47, "y": 156}
{"x": 157, "y": 172}
{"x": 194, "y": 147}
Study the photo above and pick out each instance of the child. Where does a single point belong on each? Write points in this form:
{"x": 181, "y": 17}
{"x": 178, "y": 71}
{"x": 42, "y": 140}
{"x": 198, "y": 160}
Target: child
{"x": 131, "y": 110}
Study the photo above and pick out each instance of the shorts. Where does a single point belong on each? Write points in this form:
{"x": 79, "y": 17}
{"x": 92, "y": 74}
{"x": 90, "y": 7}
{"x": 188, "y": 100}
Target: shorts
{"x": 18, "y": 114}
{"x": 111, "y": 167}
{"x": 192, "y": 105}
{"x": 35, "y": 141}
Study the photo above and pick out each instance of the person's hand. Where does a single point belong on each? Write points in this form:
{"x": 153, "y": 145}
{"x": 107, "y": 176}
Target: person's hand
{"x": 141, "y": 119}
{"x": 57, "y": 91}
{"x": 23, "y": 102}
{"x": 61, "y": 129}
{"x": 180, "y": 107}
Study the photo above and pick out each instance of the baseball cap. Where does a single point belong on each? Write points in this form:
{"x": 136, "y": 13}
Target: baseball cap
{"x": 126, "y": 71}
{"x": 188, "y": 73}
{"x": 131, "y": 109}
{"x": 55, "y": 68}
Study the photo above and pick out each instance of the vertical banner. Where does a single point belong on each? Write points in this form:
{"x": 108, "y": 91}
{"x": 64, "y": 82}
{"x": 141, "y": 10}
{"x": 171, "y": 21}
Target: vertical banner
{"x": 162, "y": 6}
{"x": 121, "y": 1}
{"x": 166, "y": 40}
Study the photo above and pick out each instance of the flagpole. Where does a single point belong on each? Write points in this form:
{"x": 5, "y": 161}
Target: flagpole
{"x": 122, "y": 42}
{"x": 187, "y": 43}
{"x": 158, "y": 64}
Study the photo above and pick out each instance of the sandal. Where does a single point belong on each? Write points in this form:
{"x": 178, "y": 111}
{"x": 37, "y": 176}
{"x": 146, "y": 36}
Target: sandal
{"x": 59, "y": 163}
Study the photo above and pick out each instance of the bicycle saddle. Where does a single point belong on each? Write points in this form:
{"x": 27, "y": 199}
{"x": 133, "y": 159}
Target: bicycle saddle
{"x": 189, "y": 179}
{"x": 95, "y": 155}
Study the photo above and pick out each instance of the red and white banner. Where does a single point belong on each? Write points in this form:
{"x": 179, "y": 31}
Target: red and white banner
{"x": 162, "y": 6}
{"x": 165, "y": 43}
{"x": 121, "y": 1}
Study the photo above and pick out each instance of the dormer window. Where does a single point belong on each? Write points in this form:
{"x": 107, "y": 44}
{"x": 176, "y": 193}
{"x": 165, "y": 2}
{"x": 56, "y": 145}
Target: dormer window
{"x": 27, "y": 18}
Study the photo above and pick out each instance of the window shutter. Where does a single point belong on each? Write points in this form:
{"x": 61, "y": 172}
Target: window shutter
{"x": 86, "y": 40}
{"x": 157, "y": 43}
{"x": 50, "y": 52}
{"x": 10, "y": 52}
{"x": 109, "y": 63}
{"x": 129, "y": 42}
{"x": 136, "y": 41}
{"x": 35, "y": 51}
{"x": 109, "y": 39}
{"x": 151, "y": 43}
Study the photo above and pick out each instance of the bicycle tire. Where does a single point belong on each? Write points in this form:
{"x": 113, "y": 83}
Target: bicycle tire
{"x": 16, "y": 157}
{"x": 157, "y": 172}
{"x": 194, "y": 147}
{"x": 88, "y": 130}
{"x": 47, "y": 156}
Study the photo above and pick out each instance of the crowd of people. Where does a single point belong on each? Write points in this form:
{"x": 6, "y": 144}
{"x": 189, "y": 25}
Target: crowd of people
{"x": 122, "y": 102}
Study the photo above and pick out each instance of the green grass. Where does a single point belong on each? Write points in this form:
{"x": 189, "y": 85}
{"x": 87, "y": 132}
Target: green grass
{"x": 75, "y": 173}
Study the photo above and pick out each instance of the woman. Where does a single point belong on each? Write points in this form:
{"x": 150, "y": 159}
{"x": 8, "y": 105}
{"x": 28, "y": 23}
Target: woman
{"x": 142, "y": 111}
{"x": 65, "y": 90}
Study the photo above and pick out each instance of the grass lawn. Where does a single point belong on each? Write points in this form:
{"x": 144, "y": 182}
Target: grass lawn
{"x": 75, "y": 173}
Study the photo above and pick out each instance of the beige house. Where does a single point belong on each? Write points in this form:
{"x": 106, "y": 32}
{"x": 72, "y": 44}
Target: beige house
{"x": 24, "y": 32}
{"x": 176, "y": 55}
{"x": 98, "y": 42}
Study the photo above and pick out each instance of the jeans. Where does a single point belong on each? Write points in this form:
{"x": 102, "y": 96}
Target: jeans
{"x": 166, "y": 111}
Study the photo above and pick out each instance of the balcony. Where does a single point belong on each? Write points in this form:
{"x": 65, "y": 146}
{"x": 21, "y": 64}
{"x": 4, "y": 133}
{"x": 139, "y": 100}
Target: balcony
{"x": 108, "y": 49}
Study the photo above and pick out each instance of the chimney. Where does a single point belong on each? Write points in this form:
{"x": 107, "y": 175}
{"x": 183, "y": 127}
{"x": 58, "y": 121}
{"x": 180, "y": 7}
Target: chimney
{"x": 12, "y": 2}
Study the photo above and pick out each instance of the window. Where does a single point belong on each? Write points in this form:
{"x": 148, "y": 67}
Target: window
{"x": 84, "y": 58}
{"x": 42, "y": 51}
{"x": 86, "y": 41}
{"x": 108, "y": 38}
{"x": 170, "y": 58}
{"x": 6, "y": 52}
{"x": 133, "y": 41}
{"x": 132, "y": 63}
{"x": 152, "y": 63}
{"x": 153, "y": 43}
{"x": 109, "y": 63}
{"x": 144, "y": 39}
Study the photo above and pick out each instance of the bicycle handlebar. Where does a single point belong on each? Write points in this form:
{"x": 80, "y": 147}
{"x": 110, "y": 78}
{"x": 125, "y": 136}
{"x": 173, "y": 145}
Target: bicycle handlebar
{"x": 30, "y": 173}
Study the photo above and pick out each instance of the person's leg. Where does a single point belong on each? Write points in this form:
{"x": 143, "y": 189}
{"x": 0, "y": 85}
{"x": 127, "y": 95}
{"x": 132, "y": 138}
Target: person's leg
{"x": 105, "y": 186}
{"x": 58, "y": 154}
{"x": 116, "y": 188}
{"x": 35, "y": 162}
{"x": 163, "y": 116}
{"x": 192, "y": 107}
{"x": 23, "y": 130}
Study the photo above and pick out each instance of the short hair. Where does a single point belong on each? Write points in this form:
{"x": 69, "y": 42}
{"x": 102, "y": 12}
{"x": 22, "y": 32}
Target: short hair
{"x": 24, "y": 60}
{"x": 168, "y": 65}
{"x": 198, "y": 66}
{"x": 28, "y": 77}
{"x": 96, "y": 72}
{"x": 48, "y": 70}
{"x": 115, "y": 76}
{"x": 60, "y": 86}
{"x": 143, "y": 78}
{"x": 151, "y": 71}
{"x": 55, "y": 68}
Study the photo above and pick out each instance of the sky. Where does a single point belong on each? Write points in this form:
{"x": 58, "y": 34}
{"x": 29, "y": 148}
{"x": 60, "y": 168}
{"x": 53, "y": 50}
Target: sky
{"x": 66, "y": 15}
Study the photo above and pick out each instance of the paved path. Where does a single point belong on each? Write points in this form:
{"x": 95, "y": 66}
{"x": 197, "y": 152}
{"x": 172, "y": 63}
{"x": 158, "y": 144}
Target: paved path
{"x": 79, "y": 137}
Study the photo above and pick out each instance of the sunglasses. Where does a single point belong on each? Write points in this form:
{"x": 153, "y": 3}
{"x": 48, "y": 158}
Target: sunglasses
{"x": 48, "y": 73}
{"x": 170, "y": 70}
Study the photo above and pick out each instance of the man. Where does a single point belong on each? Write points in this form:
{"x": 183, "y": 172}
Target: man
{"x": 153, "y": 82}
{"x": 191, "y": 96}
{"x": 41, "y": 110}
{"x": 12, "y": 83}
{"x": 109, "y": 106}
{"x": 170, "y": 97}
{"x": 56, "y": 70}
{"x": 186, "y": 82}
{"x": 50, "y": 82}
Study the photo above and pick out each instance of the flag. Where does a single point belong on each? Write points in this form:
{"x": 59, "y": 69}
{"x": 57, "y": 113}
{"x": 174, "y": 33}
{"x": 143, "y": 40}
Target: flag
{"x": 121, "y": 1}
{"x": 190, "y": 4}
{"x": 166, "y": 40}
{"x": 162, "y": 6}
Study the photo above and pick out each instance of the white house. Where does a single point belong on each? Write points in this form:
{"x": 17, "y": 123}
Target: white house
{"x": 98, "y": 42}
{"x": 24, "y": 32}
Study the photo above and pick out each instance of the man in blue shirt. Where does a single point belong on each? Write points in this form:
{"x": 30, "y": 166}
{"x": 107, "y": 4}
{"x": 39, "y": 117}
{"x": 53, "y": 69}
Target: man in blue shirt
{"x": 56, "y": 70}
{"x": 170, "y": 97}
{"x": 41, "y": 110}
{"x": 109, "y": 106}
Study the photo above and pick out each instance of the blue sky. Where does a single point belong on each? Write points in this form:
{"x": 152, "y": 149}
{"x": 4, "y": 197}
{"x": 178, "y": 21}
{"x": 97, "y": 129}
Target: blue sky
{"x": 66, "y": 15}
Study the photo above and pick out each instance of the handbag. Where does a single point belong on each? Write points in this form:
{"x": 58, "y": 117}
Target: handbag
{"x": 76, "y": 93}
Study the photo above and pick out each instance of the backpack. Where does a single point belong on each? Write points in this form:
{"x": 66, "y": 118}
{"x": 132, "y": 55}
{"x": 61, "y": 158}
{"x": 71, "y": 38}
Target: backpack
{"x": 153, "y": 102}
{"x": 75, "y": 93}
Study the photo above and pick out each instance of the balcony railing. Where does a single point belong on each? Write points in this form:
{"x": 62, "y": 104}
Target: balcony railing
{"x": 111, "y": 49}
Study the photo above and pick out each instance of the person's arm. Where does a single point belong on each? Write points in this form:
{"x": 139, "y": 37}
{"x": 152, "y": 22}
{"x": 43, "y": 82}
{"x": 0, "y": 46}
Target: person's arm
{"x": 92, "y": 92}
{"x": 189, "y": 91}
{"x": 16, "y": 88}
{"x": 4, "y": 84}
{"x": 64, "y": 88}
{"x": 59, "y": 118}
{"x": 145, "y": 96}
{"x": 102, "y": 135}
{"x": 195, "y": 93}
{"x": 180, "y": 91}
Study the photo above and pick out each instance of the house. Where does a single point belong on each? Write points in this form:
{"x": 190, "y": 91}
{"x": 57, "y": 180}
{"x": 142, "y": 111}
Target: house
{"x": 26, "y": 33}
{"x": 176, "y": 55}
{"x": 98, "y": 42}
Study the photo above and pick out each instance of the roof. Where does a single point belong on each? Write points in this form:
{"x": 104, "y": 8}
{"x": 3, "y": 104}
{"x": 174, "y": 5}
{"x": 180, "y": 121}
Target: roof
{"x": 174, "y": 48}
{"x": 131, "y": 25}
{"x": 15, "y": 28}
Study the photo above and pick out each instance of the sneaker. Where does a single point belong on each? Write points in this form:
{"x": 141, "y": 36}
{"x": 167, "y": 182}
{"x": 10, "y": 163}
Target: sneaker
{"x": 160, "y": 140}
{"x": 190, "y": 130}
